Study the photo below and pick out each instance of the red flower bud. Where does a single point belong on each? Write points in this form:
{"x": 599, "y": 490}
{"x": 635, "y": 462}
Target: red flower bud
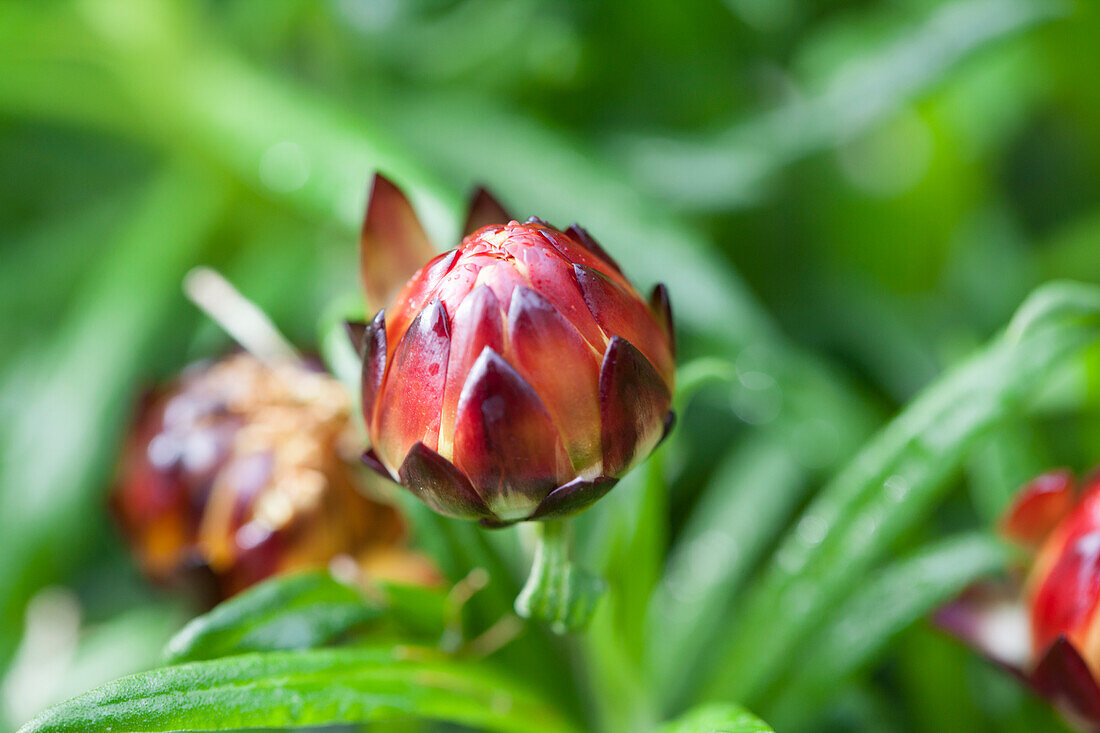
{"x": 515, "y": 377}
{"x": 1063, "y": 588}
{"x": 1048, "y": 630}
{"x": 242, "y": 470}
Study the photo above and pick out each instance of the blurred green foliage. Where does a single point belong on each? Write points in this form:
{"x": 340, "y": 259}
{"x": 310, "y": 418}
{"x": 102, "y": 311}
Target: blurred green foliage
{"x": 845, "y": 198}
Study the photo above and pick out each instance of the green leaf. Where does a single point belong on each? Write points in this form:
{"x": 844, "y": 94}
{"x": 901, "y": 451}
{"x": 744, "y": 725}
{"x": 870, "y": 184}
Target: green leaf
{"x": 699, "y": 173}
{"x": 892, "y": 599}
{"x": 743, "y": 509}
{"x": 296, "y": 689}
{"x": 1010, "y": 455}
{"x": 894, "y": 482}
{"x": 297, "y": 612}
{"x": 717, "y": 718}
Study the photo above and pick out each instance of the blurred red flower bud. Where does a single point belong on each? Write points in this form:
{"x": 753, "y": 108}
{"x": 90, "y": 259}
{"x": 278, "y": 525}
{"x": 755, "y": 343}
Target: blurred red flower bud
{"x": 515, "y": 377}
{"x": 240, "y": 470}
{"x": 1047, "y": 628}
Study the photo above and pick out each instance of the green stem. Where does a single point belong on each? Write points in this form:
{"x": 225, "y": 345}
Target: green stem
{"x": 557, "y": 592}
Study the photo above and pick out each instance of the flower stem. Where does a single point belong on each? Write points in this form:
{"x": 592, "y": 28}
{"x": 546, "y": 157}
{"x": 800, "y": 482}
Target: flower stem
{"x": 557, "y": 592}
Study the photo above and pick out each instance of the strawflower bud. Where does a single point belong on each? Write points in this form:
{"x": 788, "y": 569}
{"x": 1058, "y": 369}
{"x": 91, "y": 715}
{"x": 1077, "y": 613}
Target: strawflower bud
{"x": 1046, "y": 628}
{"x": 240, "y": 470}
{"x": 515, "y": 377}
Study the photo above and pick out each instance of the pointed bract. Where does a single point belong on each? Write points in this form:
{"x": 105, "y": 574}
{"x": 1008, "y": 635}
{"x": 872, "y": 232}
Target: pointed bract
{"x": 412, "y": 393}
{"x": 551, "y": 275}
{"x": 634, "y": 403}
{"x": 579, "y": 233}
{"x": 484, "y": 210}
{"x": 1064, "y": 677}
{"x": 370, "y": 460}
{"x": 392, "y": 243}
{"x": 505, "y": 441}
{"x": 372, "y": 348}
{"x": 478, "y": 324}
{"x": 573, "y": 497}
{"x": 355, "y": 331}
{"x": 620, "y": 313}
{"x": 537, "y": 336}
{"x": 1038, "y": 507}
{"x": 661, "y": 308}
{"x": 436, "y": 482}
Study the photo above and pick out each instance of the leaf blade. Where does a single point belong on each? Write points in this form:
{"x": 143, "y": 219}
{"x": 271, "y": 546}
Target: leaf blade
{"x": 717, "y": 718}
{"x": 316, "y": 687}
{"x": 893, "y": 482}
{"x": 297, "y": 611}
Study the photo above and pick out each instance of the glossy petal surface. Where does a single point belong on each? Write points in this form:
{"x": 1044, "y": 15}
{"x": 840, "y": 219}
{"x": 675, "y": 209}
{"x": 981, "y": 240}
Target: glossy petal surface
{"x": 417, "y": 294}
{"x": 436, "y": 482}
{"x": 373, "y": 350}
{"x": 412, "y": 395}
{"x": 478, "y": 324}
{"x": 573, "y": 497}
{"x": 538, "y": 336}
{"x": 505, "y": 441}
{"x": 620, "y": 313}
{"x": 634, "y": 403}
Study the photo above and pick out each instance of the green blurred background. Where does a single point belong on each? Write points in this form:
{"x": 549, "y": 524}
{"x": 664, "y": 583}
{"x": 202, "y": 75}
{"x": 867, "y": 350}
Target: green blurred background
{"x": 843, "y": 196}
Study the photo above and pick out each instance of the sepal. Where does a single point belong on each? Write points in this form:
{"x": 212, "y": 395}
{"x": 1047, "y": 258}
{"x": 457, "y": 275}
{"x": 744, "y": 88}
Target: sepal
{"x": 484, "y": 210}
{"x": 435, "y": 481}
{"x": 1038, "y": 507}
{"x": 634, "y": 404}
{"x": 392, "y": 243}
{"x": 573, "y": 497}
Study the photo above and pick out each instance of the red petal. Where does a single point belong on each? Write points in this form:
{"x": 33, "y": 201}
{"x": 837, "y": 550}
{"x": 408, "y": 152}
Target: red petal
{"x": 502, "y": 278}
{"x": 477, "y": 324}
{"x": 392, "y": 244}
{"x": 573, "y": 497}
{"x": 561, "y": 367}
{"x": 579, "y": 233}
{"x": 484, "y": 210}
{"x": 505, "y": 442}
{"x": 373, "y": 349}
{"x": 436, "y": 482}
{"x": 552, "y": 276}
{"x": 579, "y": 254}
{"x": 1065, "y": 599}
{"x": 1038, "y": 507}
{"x": 1064, "y": 677}
{"x": 457, "y": 284}
{"x": 412, "y": 396}
{"x": 620, "y": 313}
{"x": 634, "y": 403}
{"x": 661, "y": 308}
{"x": 416, "y": 295}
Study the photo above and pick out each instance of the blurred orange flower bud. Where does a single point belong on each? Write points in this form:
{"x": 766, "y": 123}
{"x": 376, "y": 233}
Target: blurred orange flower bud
{"x": 240, "y": 470}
